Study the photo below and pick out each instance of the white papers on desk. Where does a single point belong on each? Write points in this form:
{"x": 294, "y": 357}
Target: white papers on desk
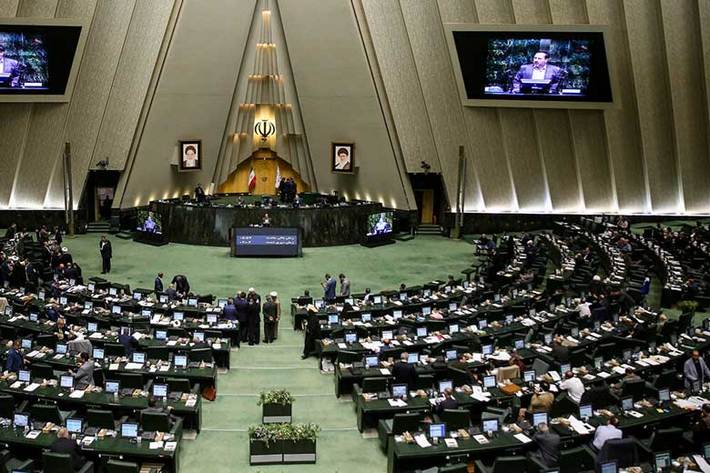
{"x": 523, "y": 438}
{"x": 553, "y": 388}
{"x": 603, "y": 374}
{"x": 86, "y": 441}
{"x": 33, "y": 434}
{"x": 170, "y": 446}
{"x": 693, "y": 402}
{"x": 57, "y": 356}
{"x": 155, "y": 445}
{"x": 451, "y": 443}
{"x": 554, "y": 375}
{"x": 642, "y": 363}
{"x": 635, "y": 414}
{"x": 407, "y": 343}
{"x": 96, "y": 336}
{"x": 500, "y": 356}
{"x": 342, "y": 345}
{"x": 482, "y": 396}
{"x": 77, "y": 394}
{"x": 588, "y": 377}
{"x": 385, "y": 372}
{"x": 171, "y": 343}
{"x": 481, "y": 439}
{"x": 619, "y": 370}
{"x": 422, "y": 441}
{"x": 397, "y": 403}
{"x": 545, "y": 349}
{"x": 702, "y": 463}
{"x": 32, "y": 354}
{"x": 526, "y": 322}
{"x": 133, "y": 366}
{"x": 16, "y": 385}
{"x": 216, "y": 346}
{"x": 580, "y": 427}
{"x": 190, "y": 403}
{"x": 113, "y": 366}
{"x": 31, "y": 387}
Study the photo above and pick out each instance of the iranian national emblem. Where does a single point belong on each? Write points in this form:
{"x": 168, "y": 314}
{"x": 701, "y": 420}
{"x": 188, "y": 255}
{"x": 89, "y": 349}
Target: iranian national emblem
{"x": 264, "y": 128}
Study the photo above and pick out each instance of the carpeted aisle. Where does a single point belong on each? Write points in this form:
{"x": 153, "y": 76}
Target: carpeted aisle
{"x": 223, "y": 443}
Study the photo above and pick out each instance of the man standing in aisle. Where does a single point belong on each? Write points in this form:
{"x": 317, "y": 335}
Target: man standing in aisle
{"x": 158, "y": 286}
{"x": 106, "y": 254}
{"x": 269, "y": 310}
{"x": 344, "y": 285}
{"x": 329, "y": 287}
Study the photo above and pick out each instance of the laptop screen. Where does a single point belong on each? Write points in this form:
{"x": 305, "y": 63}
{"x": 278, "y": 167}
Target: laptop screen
{"x": 445, "y": 384}
{"x": 112, "y": 386}
{"x": 437, "y": 430}
{"x": 138, "y": 357}
{"x": 66, "y": 381}
{"x": 608, "y": 467}
{"x": 160, "y": 390}
{"x": 74, "y": 426}
{"x": 490, "y": 425}
{"x": 585, "y": 410}
{"x": 399, "y": 390}
{"x": 489, "y": 382}
{"x": 180, "y": 361}
{"x": 20, "y": 420}
{"x": 129, "y": 430}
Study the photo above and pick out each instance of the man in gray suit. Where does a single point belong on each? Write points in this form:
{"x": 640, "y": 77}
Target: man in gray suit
{"x": 11, "y": 67}
{"x": 695, "y": 372}
{"x": 539, "y": 70}
{"x": 344, "y": 285}
{"x": 84, "y": 376}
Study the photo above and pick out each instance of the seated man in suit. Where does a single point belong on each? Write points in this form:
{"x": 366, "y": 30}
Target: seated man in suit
{"x": 548, "y": 444}
{"x": 10, "y": 67}
{"x": 448, "y": 402}
{"x": 405, "y": 373}
{"x": 84, "y": 376}
{"x": 539, "y": 70}
{"x": 64, "y": 444}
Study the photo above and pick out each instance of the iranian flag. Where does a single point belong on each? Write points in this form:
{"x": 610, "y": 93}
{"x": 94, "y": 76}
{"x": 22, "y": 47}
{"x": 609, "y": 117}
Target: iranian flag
{"x": 251, "y": 181}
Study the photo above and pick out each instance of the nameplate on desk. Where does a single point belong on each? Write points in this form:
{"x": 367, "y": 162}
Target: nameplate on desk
{"x": 385, "y": 371}
{"x": 113, "y": 366}
{"x": 133, "y": 366}
{"x": 481, "y": 439}
{"x": 33, "y": 434}
{"x": 451, "y": 443}
{"x": 522, "y": 438}
{"x": 31, "y": 387}
{"x": 155, "y": 445}
{"x": 16, "y": 385}
{"x": 422, "y": 441}
{"x": 77, "y": 394}
{"x": 342, "y": 345}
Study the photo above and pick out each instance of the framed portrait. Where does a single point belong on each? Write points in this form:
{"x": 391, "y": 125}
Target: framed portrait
{"x": 191, "y": 155}
{"x": 342, "y": 157}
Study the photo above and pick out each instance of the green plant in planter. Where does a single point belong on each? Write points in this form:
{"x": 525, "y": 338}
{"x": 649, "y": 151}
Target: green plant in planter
{"x": 266, "y": 433}
{"x": 276, "y": 396}
{"x": 303, "y": 432}
{"x": 270, "y": 433}
{"x": 687, "y": 307}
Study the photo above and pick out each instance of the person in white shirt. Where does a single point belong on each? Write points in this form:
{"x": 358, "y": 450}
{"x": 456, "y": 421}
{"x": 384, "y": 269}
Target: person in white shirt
{"x": 606, "y": 432}
{"x": 583, "y": 308}
{"x": 573, "y": 386}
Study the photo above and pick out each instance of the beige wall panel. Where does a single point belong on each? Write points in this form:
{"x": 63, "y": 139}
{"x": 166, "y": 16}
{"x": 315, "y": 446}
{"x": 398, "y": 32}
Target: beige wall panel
{"x": 531, "y": 12}
{"x": 684, "y": 50}
{"x": 189, "y": 102}
{"x": 650, "y": 71}
{"x": 76, "y": 8}
{"x": 339, "y": 101}
{"x": 590, "y": 149}
{"x": 37, "y": 8}
{"x": 399, "y": 74}
{"x": 8, "y": 8}
{"x": 494, "y": 11}
{"x": 568, "y": 12}
{"x": 452, "y": 11}
{"x": 145, "y": 35}
{"x": 103, "y": 49}
{"x": 622, "y": 125}
{"x": 13, "y": 132}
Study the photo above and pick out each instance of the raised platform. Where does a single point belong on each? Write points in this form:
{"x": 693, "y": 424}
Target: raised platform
{"x": 344, "y": 224}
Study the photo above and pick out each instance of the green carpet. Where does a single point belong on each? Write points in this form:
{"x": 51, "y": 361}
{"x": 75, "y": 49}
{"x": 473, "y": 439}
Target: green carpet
{"x": 222, "y": 446}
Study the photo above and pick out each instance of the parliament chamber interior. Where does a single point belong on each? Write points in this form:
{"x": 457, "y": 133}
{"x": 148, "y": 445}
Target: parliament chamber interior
{"x": 354, "y": 236}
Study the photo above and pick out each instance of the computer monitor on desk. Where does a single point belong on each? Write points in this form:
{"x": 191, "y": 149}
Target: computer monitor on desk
{"x": 489, "y": 425}
{"x": 98, "y": 354}
{"x": 350, "y": 337}
{"x": 609, "y": 467}
{"x": 662, "y": 460}
{"x": 333, "y": 319}
{"x": 627, "y": 403}
{"x": 585, "y": 411}
{"x": 421, "y": 332}
{"x": 529, "y": 376}
{"x": 366, "y": 317}
{"x": 129, "y": 430}
{"x": 400, "y": 391}
{"x": 160, "y": 390}
{"x": 454, "y": 328}
{"x": 387, "y": 335}
{"x": 138, "y": 357}
{"x": 437, "y": 431}
{"x": 445, "y": 384}
{"x": 112, "y": 386}
{"x": 664, "y": 395}
{"x": 180, "y": 361}
{"x": 74, "y": 426}
{"x": 539, "y": 418}
{"x": 489, "y": 382}
{"x": 24, "y": 376}
{"x": 66, "y": 381}
{"x": 413, "y": 358}
{"x": 487, "y": 349}
{"x": 20, "y": 420}
{"x": 372, "y": 361}
{"x": 451, "y": 355}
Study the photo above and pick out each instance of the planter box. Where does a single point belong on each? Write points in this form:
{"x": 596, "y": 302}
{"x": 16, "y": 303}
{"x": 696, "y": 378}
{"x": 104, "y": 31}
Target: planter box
{"x": 261, "y": 454}
{"x": 276, "y": 414}
{"x": 301, "y": 451}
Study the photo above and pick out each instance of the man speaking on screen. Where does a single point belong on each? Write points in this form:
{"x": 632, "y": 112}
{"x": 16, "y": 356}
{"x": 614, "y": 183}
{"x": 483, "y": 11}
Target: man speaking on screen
{"x": 9, "y": 70}
{"x": 549, "y": 76}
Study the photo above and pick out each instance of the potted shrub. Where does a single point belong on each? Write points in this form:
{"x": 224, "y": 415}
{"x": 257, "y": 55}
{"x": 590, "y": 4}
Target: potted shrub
{"x": 265, "y": 447}
{"x": 299, "y": 443}
{"x": 276, "y": 406}
{"x": 687, "y": 307}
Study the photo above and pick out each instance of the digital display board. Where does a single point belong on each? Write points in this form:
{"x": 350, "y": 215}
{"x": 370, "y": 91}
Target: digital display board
{"x": 266, "y": 241}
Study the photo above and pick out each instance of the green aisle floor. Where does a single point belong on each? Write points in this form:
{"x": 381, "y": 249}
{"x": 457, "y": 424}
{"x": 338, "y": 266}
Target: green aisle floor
{"x": 222, "y": 445}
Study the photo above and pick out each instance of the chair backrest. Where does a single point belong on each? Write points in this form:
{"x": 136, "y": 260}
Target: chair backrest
{"x": 100, "y": 419}
{"x": 563, "y": 406}
{"x": 540, "y": 367}
{"x": 406, "y": 422}
{"x": 508, "y": 372}
{"x": 201, "y": 354}
{"x": 456, "y": 418}
{"x": 634, "y": 388}
{"x": 41, "y": 370}
{"x": 575, "y": 460}
{"x": 131, "y": 380}
{"x": 46, "y": 340}
{"x": 374, "y": 385}
{"x": 57, "y": 462}
{"x": 114, "y": 349}
{"x": 155, "y": 422}
{"x": 116, "y": 466}
{"x": 624, "y": 451}
{"x": 46, "y": 413}
{"x": 7, "y": 406}
{"x": 457, "y": 468}
{"x": 665, "y": 439}
{"x": 180, "y": 385}
{"x": 425, "y": 381}
{"x": 517, "y": 464}
{"x": 157, "y": 353}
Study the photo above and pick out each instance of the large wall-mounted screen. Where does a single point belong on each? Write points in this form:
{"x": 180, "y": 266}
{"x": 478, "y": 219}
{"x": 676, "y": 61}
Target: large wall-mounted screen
{"x": 38, "y": 61}
{"x": 266, "y": 241}
{"x": 518, "y": 68}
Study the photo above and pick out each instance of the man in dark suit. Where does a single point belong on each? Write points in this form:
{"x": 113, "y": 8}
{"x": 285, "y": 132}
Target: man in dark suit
{"x": 548, "y": 444}
{"x": 539, "y": 70}
{"x": 253, "y": 316}
{"x": 448, "y": 402}
{"x": 171, "y": 292}
{"x": 158, "y": 283}
{"x": 329, "y": 287}
{"x": 242, "y": 306}
{"x": 404, "y": 373}
{"x": 182, "y": 285}
{"x": 65, "y": 445}
{"x": 106, "y": 254}
{"x": 11, "y": 67}
{"x": 229, "y": 311}
{"x": 269, "y": 310}
{"x": 15, "y": 362}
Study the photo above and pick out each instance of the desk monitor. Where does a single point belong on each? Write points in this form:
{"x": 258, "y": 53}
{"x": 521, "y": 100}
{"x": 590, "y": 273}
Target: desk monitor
{"x": 487, "y": 349}
{"x": 21, "y": 420}
{"x": 146, "y": 312}
{"x": 626, "y": 354}
{"x": 139, "y": 357}
{"x": 221, "y": 303}
{"x": 112, "y": 291}
{"x": 664, "y": 395}
{"x": 539, "y": 418}
{"x": 116, "y": 309}
{"x": 350, "y": 337}
{"x": 377, "y": 300}
{"x": 212, "y": 319}
{"x": 92, "y": 327}
{"x": 421, "y": 332}
{"x": 387, "y": 335}
{"x": 401, "y": 390}
{"x": 529, "y": 376}
{"x": 192, "y": 301}
{"x": 61, "y": 349}
{"x": 565, "y": 367}
{"x": 8, "y": 309}
{"x": 489, "y": 382}
{"x": 453, "y": 306}
{"x": 413, "y": 358}
{"x": 447, "y": 289}
{"x": 112, "y": 386}
{"x": 24, "y": 376}
{"x": 34, "y": 317}
{"x": 706, "y": 449}
{"x": 178, "y": 315}
{"x": 349, "y": 300}
{"x": 426, "y": 310}
{"x": 489, "y": 425}
{"x": 465, "y": 284}
{"x": 63, "y": 300}
{"x": 608, "y": 467}
{"x": 161, "y": 334}
{"x": 66, "y": 381}
{"x": 397, "y": 314}
{"x": 372, "y": 361}
{"x": 437, "y": 431}
{"x": 125, "y": 331}
{"x": 26, "y": 343}
{"x": 163, "y": 299}
{"x": 574, "y": 332}
{"x": 445, "y": 384}
{"x": 180, "y": 361}
{"x": 451, "y": 355}
{"x": 160, "y": 390}
{"x": 129, "y": 430}
{"x": 627, "y": 403}
{"x": 662, "y": 460}
{"x": 598, "y": 362}
{"x": 199, "y": 337}
{"x": 453, "y": 328}
{"x": 74, "y": 426}
{"x": 333, "y": 319}
{"x": 519, "y": 344}
{"x": 585, "y": 411}
{"x": 483, "y": 323}
{"x": 98, "y": 354}
{"x": 426, "y": 292}
{"x": 318, "y": 303}
{"x": 136, "y": 295}
{"x": 41, "y": 295}
{"x": 402, "y": 296}
{"x": 496, "y": 297}
{"x": 366, "y": 317}
{"x": 547, "y": 338}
